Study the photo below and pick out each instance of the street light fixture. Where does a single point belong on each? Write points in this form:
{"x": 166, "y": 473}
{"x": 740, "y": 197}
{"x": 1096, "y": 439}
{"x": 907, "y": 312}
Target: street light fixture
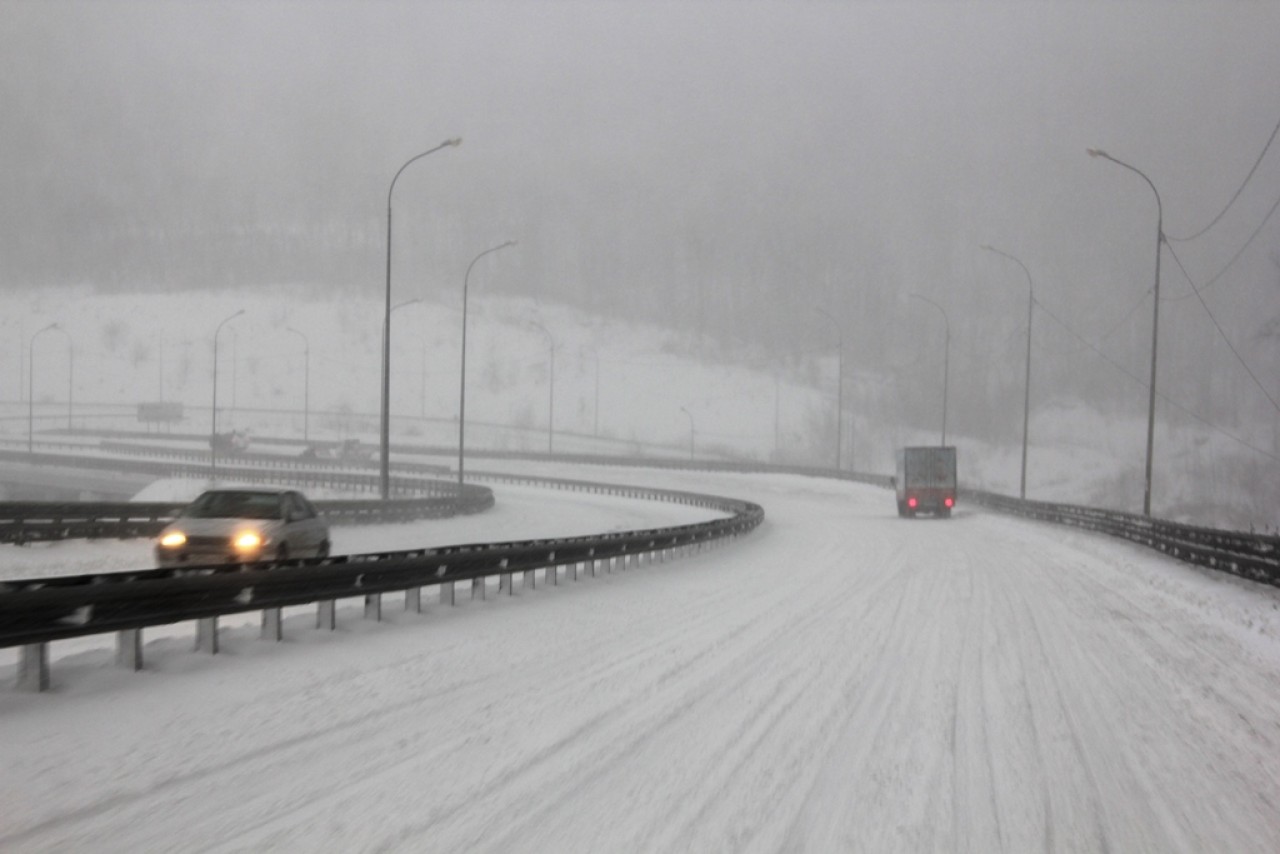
{"x": 1155, "y": 322}
{"x": 1026, "y": 390}
{"x": 31, "y": 371}
{"x": 462, "y": 384}
{"x": 306, "y": 382}
{"x": 213, "y": 432}
{"x": 839, "y": 387}
{"x": 384, "y": 476}
{"x": 946, "y": 362}
{"x": 692, "y": 433}
{"x": 551, "y": 389}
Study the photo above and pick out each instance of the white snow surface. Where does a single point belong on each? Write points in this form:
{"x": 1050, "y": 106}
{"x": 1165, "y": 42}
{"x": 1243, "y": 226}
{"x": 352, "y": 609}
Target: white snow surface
{"x": 840, "y": 680}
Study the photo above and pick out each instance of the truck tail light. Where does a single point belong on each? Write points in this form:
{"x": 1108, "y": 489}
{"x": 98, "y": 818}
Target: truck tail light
{"x": 949, "y": 501}
{"x": 911, "y": 502}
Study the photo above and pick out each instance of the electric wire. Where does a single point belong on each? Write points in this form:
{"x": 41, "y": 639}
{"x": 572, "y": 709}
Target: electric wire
{"x": 1163, "y": 397}
{"x": 1213, "y": 281}
{"x": 1245, "y": 183}
{"x": 1222, "y": 333}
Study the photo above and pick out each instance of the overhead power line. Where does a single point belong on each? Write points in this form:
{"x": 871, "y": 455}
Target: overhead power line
{"x": 1213, "y": 281}
{"x": 1140, "y": 381}
{"x": 1222, "y": 333}
{"x": 1244, "y": 184}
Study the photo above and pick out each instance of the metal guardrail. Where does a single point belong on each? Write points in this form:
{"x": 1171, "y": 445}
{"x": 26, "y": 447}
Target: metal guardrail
{"x": 1252, "y": 556}
{"x": 35, "y": 612}
{"x": 28, "y": 521}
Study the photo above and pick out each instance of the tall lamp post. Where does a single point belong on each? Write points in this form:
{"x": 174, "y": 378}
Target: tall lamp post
{"x": 839, "y": 388}
{"x": 551, "y": 389}
{"x": 462, "y": 384}
{"x": 1155, "y": 322}
{"x": 401, "y": 305}
{"x": 595, "y": 406}
{"x": 946, "y": 362}
{"x": 1026, "y": 389}
{"x": 384, "y": 475}
{"x": 71, "y": 370}
{"x": 31, "y": 372}
{"x": 692, "y": 432}
{"x": 306, "y": 382}
{"x": 213, "y": 430}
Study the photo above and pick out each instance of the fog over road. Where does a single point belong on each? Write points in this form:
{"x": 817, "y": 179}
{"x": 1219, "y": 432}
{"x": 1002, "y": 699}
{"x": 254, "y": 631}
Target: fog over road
{"x": 839, "y": 680}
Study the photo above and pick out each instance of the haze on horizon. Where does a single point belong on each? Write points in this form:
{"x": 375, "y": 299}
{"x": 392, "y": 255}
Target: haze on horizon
{"x": 721, "y": 168}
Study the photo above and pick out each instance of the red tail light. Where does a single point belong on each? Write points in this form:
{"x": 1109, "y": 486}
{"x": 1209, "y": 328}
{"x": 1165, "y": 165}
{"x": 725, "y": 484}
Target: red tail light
{"x": 911, "y": 502}
{"x": 949, "y": 501}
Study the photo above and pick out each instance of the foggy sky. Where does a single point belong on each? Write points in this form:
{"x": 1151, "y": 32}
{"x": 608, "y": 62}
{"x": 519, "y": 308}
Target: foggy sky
{"x": 724, "y": 167}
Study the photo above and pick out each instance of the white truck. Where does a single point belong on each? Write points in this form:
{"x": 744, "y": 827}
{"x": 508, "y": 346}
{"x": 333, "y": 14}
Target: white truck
{"x": 925, "y": 481}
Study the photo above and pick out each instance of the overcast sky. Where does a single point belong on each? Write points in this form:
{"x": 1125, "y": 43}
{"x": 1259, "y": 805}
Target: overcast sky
{"x": 841, "y": 152}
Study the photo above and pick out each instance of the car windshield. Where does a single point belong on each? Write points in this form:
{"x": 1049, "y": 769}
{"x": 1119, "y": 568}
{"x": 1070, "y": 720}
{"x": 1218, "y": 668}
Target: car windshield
{"x": 236, "y": 505}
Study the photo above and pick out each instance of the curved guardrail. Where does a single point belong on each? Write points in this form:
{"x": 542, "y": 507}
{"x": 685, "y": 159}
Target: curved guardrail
{"x": 35, "y": 612}
{"x": 35, "y": 521}
{"x": 32, "y": 613}
{"x": 1252, "y": 556}
{"x": 24, "y": 522}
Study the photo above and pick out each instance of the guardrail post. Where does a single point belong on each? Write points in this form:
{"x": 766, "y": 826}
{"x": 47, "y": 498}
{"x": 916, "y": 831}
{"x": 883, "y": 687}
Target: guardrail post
{"x": 505, "y": 585}
{"x": 129, "y": 648}
{"x": 530, "y": 579}
{"x": 373, "y": 607}
{"x": 207, "y": 635}
{"x": 327, "y": 615}
{"x": 446, "y": 593}
{"x": 272, "y": 625}
{"x": 413, "y": 600}
{"x": 553, "y": 571}
{"x": 479, "y": 587}
{"x": 33, "y": 667}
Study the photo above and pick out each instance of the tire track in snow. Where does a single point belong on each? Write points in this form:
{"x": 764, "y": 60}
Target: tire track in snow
{"x": 714, "y": 684}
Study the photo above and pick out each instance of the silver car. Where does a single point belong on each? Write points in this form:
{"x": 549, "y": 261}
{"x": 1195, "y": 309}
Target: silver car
{"x": 243, "y": 525}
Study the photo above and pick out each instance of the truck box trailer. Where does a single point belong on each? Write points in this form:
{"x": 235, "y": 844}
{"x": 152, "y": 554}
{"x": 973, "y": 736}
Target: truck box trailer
{"x": 925, "y": 480}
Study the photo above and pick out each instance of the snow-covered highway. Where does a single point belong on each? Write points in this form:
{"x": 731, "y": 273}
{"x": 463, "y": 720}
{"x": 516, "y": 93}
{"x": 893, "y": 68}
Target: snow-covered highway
{"x": 840, "y": 680}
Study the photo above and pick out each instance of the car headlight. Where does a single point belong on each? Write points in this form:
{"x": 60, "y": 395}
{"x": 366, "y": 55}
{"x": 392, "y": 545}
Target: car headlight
{"x": 247, "y": 541}
{"x": 173, "y": 539}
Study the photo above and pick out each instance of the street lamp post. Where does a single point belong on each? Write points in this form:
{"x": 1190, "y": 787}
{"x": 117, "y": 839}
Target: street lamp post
{"x": 384, "y": 475}
{"x": 692, "y": 432}
{"x": 551, "y": 389}
{"x": 306, "y": 382}
{"x": 1026, "y": 389}
{"x": 401, "y": 305}
{"x": 946, "y": 362}
{"x": 839, "y": 388}
{"x": 31, "y": 372}
{"x": 595, "y": 407}
{"x": 213, "y": 431}
{"x": 71, "y": 371}
{"x": 1155, "y": 323}
{"x": 462, "y": 384}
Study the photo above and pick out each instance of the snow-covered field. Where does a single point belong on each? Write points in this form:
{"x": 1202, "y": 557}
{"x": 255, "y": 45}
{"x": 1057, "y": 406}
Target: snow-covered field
{"x": 841, "y": 680}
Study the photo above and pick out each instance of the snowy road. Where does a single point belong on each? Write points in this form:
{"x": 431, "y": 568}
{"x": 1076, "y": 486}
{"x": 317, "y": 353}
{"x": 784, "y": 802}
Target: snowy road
{"x": 841, "y": 680}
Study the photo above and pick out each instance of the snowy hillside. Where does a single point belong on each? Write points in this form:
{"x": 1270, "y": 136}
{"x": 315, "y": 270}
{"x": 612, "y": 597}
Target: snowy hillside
{"x": 619, "y": 388}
